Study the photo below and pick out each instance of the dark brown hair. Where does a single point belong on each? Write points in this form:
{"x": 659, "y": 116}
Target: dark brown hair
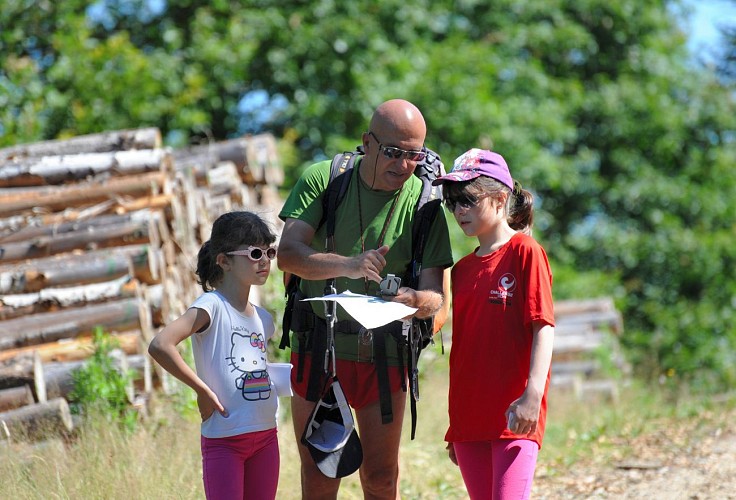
{"x": 519, "y": 204}
{"x": 230, "y": 231}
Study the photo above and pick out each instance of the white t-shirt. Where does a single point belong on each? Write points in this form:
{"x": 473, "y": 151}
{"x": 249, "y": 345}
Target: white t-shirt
{"x": 230, "y": 357}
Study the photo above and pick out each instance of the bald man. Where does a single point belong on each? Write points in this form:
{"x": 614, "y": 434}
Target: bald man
{"x": 373, "y": 238}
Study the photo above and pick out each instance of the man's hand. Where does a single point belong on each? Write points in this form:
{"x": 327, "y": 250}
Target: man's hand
{"x": 368, "y": 265}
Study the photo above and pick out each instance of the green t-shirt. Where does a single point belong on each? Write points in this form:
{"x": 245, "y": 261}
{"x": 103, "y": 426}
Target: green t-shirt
{"x": 305, "y": 204}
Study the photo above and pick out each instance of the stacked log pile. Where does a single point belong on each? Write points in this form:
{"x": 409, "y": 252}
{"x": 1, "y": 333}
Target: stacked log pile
{"x": 103, "y": 231}
{"x": 586, "y": 348}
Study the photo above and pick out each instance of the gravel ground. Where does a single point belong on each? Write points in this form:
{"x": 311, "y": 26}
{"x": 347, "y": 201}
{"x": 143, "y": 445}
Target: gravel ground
{"x": 686, "y": 461}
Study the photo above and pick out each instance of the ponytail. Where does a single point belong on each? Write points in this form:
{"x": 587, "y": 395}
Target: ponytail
{"x": 207, "y": 269}
{"x": 521, "y": 209}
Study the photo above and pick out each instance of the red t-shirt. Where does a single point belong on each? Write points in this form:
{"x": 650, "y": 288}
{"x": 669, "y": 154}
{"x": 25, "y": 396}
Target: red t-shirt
{"x": 495, "y": 298}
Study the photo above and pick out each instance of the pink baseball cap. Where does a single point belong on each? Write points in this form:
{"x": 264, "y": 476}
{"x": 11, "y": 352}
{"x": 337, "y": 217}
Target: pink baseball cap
{"x": 476, "y": 162}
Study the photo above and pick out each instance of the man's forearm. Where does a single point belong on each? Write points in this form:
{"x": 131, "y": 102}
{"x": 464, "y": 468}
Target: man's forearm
{"x": 429, "y": 302}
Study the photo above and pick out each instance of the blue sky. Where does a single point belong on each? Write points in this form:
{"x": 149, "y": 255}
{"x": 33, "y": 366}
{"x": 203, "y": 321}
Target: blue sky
{"x": 704, "y": 22}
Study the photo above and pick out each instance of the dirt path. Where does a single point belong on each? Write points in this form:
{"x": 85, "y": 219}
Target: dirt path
{"x": 689, "y": 462}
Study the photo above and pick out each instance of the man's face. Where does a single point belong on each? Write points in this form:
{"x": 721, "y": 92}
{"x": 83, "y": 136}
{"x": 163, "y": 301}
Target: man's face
{"x": 391, "y": 163}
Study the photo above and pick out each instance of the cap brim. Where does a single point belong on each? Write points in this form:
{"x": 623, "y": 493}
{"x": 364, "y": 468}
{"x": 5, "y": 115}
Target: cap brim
{"x": 330, "y": 434}
{"x": 457, "y": 176}
{"x": 341, "y": 462}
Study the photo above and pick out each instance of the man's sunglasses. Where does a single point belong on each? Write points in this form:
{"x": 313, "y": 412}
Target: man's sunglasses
{"x": 255, "y": 254}
{"x": 393, "y": 153}
{"x": 464, "y": 201}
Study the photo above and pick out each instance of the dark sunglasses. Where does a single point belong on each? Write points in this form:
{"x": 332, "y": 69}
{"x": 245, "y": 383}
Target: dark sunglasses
{"x": 255, "y": 254}
{"x": 464, "y": 201}
{"x": 393, "y": 153}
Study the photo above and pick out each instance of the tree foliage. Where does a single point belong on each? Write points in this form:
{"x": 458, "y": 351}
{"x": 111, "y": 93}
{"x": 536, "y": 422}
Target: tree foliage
{"x": 597, "y": 106}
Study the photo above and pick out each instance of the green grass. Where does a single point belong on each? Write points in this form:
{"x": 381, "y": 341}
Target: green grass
{"x": 161, "y": 458}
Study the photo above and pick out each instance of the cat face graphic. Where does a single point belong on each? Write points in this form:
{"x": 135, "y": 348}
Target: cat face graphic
{"x": 247, "y": 352}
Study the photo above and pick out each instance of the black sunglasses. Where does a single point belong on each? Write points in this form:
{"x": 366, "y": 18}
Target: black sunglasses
{"x": 464, "y": 201}
{"x": 255, "y": 254}
{"x": 394, "y": 153}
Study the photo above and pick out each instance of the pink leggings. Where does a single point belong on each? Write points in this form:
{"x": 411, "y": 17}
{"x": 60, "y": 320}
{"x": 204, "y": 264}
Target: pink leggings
{"x": 242, "y": 466}
{"x": 502, "y": 469}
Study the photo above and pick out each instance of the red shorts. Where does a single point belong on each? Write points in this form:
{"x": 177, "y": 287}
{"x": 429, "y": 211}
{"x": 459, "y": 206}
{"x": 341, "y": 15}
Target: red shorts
{"x": 358, "y": 380}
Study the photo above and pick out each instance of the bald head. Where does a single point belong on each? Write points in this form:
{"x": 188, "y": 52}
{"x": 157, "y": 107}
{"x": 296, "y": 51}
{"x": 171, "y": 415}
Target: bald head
{"x": 399, "y": 122}
{"x": 395, "y": 124}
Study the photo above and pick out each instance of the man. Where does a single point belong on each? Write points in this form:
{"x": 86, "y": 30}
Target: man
{"x": 373, "y": 238}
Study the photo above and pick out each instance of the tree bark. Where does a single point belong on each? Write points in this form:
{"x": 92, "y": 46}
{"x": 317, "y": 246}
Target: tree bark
{"x": 117, "y": 140}
{"x": 15, "y": 397}
{"x": 143, "y": 262}
{"x": 52, "y": 170}
{"x": 139, "y": 229}
{"x": 52, "y": 299}
{"x": 58, "y": 378}
{"x": 70, "y": 349}
{"x": 256, "y": 159}
{"x": 36, "y": 329}
{"x": 17, "y": 200}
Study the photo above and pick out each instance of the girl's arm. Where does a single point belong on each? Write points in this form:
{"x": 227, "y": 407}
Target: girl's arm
{"x": 526, "y": 408}
{"x": 163, "y": 350}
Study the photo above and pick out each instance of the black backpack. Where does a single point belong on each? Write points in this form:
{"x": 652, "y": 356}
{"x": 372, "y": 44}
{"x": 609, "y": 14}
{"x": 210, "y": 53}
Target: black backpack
{"x": 428, "y": 205}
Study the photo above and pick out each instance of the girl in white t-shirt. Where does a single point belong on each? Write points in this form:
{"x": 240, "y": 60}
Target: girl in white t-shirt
{"x": 235, "y": 396}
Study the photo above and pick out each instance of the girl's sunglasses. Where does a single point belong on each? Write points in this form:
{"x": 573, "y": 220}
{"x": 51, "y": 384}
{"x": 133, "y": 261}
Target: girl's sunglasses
{"x": 393, "y": 153}
{"x": 255, "y": 254}
{"x": 464, "y": 201}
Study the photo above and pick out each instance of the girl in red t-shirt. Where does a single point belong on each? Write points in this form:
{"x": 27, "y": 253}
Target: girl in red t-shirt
{"x": 502, "y": 331}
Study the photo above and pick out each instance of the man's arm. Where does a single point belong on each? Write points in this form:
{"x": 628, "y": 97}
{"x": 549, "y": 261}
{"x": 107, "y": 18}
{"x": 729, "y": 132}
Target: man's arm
{"x": 429, "y": 298}
{"x": 297, "y": 257}
{"x": 440, "y": 316}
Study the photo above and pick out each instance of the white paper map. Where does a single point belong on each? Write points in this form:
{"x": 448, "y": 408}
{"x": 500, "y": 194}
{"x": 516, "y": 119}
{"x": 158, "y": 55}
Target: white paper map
{"x": 371, "y": 312}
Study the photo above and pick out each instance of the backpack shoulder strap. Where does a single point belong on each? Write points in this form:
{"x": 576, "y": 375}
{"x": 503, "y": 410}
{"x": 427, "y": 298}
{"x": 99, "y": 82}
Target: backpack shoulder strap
{"x": 427, "y": 208}
{"x": 341, "y": 170}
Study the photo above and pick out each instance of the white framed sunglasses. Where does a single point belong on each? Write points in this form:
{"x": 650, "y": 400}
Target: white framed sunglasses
{"x": 255, "y": 253}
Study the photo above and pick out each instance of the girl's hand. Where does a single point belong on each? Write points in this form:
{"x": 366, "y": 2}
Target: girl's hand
{"x": 451, "y": 451}
{"x": 208, "y": 403}
{"x": 523, "y": 414}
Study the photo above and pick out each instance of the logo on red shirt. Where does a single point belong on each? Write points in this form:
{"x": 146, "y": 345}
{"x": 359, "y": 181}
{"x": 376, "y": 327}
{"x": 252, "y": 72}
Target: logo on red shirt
{"x": 505, "y": 290}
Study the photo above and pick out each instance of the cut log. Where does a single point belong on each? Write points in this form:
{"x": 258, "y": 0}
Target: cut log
{"x": 37, "y": 421}
{"x": 21, "y": 227}
{"x": 140, "y": 261}
{"x": 72, "y": 349}
{"x": 263, "y": 160}
{"x": 575, "y": 343}
{"x": 17, "y": 371}
{"x": 600, "y": 320}
{"x": 136, "y": 230}
{"x": 118, "y": 140}
{"x": 53, "y": 170}
{"x": 15, "y": 397}
{"x": 35, "y": 329}
{"x": 89, "y": 225}
{"x": 17, "y": 200}
{"x": 9, "y": 226}
{"x": 39, "y": 383}
{"x": 256, "y": 158}
{"x": 58, "y": 378}
{"x": 52, "y": 299}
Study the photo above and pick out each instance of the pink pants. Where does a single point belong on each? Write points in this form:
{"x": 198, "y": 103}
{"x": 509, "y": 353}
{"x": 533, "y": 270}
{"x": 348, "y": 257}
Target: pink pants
{"x": 242, "y": 466}
{"x": 502, "y": 469}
